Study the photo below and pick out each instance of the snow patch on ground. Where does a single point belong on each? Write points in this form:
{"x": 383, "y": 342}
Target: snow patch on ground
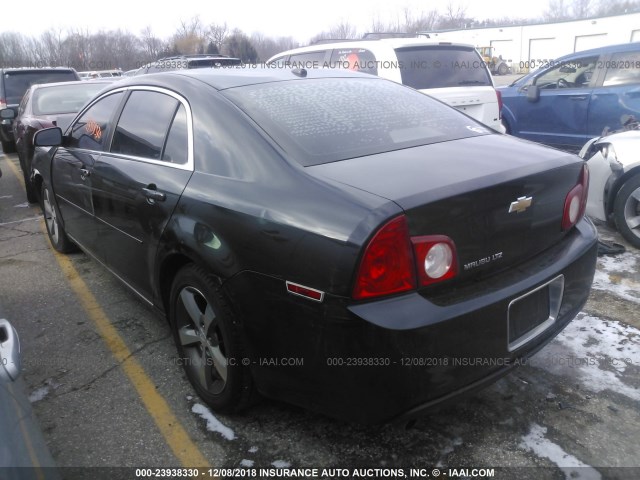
{"x": 39, "y": 393}
{"x": 281, "y": 464}
{"x": 246, "y": 463}
{"x": 213, "y": 424}
{"x": 573, "y": 468}
{"x": 608, "y": 278}
{"x": 602, "y": 354}
{"x": 448, "y": 448}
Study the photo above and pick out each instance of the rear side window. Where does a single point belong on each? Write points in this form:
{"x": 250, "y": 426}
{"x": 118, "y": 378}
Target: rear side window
{"x": 68, "y": 98}
{"x": 323, "y": 120}
{"x": 17, "y": 83}
{"x": 144, "y": 124}
{"x": 176, "y": 148}
{"x": 357, "y": 59}
{"x": 441, "y": 66}
{"x": 622, "y": 69}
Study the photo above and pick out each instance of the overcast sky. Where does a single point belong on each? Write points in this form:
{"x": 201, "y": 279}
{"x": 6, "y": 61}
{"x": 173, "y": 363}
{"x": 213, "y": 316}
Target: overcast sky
{"x": 301, "y": 19}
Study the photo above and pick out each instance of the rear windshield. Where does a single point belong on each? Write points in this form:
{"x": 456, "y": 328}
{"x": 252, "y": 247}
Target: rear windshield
{"x": 440, "y": 66}
{"x": 17, "y": 83}
{"x": 324, "y": 120}
{"x": 64, "y": 98}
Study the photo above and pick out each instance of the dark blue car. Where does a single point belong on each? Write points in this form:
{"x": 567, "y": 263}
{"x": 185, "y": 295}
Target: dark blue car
{"x": 576, "y": 97}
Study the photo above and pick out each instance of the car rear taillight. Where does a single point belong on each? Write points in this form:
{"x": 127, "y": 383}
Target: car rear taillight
{"x": 436, "y": 258}
{"x": 576, "y": 200}
{"x": 387, "y": 264}
{"x": 390, "y": 259}
{"x": 499, "y": 95}
{"x": 3, "y": 104}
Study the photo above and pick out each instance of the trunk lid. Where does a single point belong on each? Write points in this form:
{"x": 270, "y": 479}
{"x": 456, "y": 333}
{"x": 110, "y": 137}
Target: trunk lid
{"x": 469, "y": 190}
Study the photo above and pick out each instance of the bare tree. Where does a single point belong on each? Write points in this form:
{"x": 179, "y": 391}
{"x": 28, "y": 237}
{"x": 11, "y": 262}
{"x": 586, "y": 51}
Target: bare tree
{"x": 51, "y": 50}
{"x": 617, "y": 7}
{"x": 581, "y": 8}
{"x": 151, "y": 44}
{"x": 13, "y": 50}
{"x": 239, "y": 45}
{"x": 455, "y": 16}
{"x": 190, "y": 37}
{"x": 217, "y": 34}
{"x": 557, "y": 10}
{"x": 267, "y": 47}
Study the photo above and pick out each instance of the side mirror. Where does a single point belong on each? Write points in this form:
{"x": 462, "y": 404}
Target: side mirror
{"x": 48, "y": 137}
{"x": 533, "y": 93}
{"x": 7, "y": 114}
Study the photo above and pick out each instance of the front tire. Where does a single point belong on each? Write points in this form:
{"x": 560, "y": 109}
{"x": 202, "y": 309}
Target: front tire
{"x": 57, "y": 235}
{"x": 209, "y": 341}
{"x": 626, "y": 211}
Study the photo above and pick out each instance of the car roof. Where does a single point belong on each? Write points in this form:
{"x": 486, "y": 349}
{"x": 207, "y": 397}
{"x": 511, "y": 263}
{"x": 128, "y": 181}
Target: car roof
{"x": 230, "y": 77}
{"x": 39, "y": 69}
{"x": 368, "y": 42}
{"x": 73, "y": 82}
{"x": 621, "y": 47}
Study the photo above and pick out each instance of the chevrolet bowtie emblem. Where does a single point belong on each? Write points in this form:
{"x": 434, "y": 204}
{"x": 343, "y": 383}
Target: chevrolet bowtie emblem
{"x": 520, "y": 205}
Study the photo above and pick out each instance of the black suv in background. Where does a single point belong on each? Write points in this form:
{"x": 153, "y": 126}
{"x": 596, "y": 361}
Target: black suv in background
{"x": 14, "y": 82}
{"x": 179, "y": 62}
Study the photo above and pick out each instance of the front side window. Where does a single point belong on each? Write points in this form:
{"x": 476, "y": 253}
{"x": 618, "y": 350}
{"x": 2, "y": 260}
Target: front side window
{"x": 92, "y": 128}
{"x": 575, "y": 73}
{"x": 623, "y": 69}
{"x": 144, "y": 124}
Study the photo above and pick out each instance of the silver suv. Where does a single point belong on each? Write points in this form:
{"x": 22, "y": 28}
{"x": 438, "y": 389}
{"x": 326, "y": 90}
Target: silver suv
{"x": 451, "y": 72}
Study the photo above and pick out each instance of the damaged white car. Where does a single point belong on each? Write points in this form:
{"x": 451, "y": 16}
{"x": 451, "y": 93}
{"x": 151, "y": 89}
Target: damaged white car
{"x": 614, "y": 188}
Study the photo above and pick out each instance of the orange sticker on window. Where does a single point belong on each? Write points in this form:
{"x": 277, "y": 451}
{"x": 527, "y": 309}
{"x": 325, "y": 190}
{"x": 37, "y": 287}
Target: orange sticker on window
{"x": 94, "y": 129}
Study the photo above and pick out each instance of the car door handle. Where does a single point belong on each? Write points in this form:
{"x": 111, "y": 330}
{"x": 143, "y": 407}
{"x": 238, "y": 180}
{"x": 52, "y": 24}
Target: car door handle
{"x": 153, "y": 195}
{"x": 84, "y": 173}
{"x": 578, "y": 97}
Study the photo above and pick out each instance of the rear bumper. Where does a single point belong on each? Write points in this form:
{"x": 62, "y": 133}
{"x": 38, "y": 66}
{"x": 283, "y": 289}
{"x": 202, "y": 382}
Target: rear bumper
{"x": 400, "y": 357}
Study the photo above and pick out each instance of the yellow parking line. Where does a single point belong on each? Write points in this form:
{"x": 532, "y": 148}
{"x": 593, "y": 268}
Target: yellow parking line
{"x": 172, "y": 430}
{"x": 15, "y": 170}
{"x": 176, "y": 436}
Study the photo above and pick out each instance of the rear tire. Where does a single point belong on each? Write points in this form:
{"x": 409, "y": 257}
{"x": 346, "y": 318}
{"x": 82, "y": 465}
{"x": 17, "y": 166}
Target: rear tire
{"x": 503, "y": 69}
{"x": 209, "y": 341}
{"x": 57, "y": 235}
{"x": 626, "y": 211}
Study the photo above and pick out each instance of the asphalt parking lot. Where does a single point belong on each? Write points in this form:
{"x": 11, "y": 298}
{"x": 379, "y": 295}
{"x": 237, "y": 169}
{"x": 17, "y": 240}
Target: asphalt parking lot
{"x": 103, "y": 379}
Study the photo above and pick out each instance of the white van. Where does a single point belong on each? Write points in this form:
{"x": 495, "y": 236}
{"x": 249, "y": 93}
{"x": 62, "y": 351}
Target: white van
{"x": 451, "y": 72}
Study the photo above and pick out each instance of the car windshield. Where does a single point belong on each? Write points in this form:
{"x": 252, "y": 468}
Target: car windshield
{"x": 18, "y": 82}
{"x": 324, "y": 120}
{"x": 64, "y": 98}
{"x": 441, "y": 66}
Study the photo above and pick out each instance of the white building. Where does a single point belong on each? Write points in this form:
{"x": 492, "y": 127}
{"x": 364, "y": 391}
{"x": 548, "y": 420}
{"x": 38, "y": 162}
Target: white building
{"x": 525, "y": 46}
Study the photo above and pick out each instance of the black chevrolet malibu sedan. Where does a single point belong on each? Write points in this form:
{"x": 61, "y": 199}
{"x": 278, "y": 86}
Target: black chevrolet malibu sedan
{"x": 327, "y": 238}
